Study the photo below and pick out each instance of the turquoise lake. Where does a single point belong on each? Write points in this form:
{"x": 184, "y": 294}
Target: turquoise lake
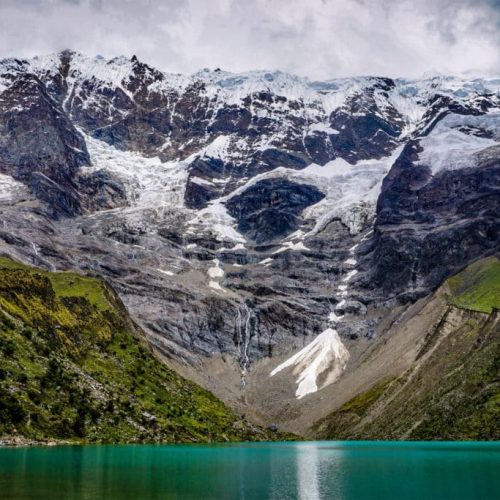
{"x": 310, "y": 470}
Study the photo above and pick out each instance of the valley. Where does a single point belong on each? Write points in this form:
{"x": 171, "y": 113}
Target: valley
{"x": 294, "y": 247}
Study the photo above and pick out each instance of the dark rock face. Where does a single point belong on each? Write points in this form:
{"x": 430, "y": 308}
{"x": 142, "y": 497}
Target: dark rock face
{"x": 36, "y": 135}
{"x": 208, "y": 179}
{"x": 101, "y": 191}
{"x": 365, "y": 130}
{"x": 61, "y": 201}
{"x": 271, "y": 209}
{"x": 39, "y": 145}
{"x": 428, "y": 226}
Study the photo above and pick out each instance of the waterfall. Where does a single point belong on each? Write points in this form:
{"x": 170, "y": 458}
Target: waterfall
{"x": 245, "y": 323}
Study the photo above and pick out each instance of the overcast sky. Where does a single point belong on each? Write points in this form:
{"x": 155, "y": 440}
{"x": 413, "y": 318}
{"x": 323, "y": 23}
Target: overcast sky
{"x": 315, "y": 38}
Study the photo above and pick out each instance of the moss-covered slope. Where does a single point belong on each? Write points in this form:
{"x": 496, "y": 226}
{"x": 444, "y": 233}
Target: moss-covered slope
{"x": 452, "y": 390}
{"x": 73, "y": 367}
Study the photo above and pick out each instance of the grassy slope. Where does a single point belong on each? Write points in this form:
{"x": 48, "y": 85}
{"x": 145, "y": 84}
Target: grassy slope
{"x": 477, "y": 288}
{"x": 453, "y": 389}
{"x": 72, "y": 367}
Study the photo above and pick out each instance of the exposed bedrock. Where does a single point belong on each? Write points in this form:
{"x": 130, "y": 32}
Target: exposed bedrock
{"x": 271, "y": 209}
{"x": 429, "y": 226}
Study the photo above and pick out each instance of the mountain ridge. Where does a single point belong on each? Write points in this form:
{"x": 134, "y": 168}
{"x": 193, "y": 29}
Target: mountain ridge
{"x": 238, "y": 222}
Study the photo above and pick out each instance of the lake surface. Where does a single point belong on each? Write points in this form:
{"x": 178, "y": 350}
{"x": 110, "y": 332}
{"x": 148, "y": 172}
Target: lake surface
{"x": 311, "y": 470}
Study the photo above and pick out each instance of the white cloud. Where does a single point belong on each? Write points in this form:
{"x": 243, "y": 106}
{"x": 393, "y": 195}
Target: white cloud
{"x": 315, "y": 38}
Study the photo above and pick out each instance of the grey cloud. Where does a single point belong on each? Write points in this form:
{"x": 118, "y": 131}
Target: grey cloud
{"x": 315, "y": 38}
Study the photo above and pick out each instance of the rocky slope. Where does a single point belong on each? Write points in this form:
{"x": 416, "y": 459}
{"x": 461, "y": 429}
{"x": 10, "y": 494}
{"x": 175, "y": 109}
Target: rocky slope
{"x": 254, "y": 220}
{"x": 451, "y": 388}
{"x": 73, "y": 366}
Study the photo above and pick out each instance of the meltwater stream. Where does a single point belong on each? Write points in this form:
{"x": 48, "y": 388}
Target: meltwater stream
{"x": 311, "y": 470}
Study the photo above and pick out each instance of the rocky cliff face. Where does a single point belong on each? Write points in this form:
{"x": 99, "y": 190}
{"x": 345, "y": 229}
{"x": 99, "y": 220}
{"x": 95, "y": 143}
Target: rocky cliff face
{"x": 241, "y": 216}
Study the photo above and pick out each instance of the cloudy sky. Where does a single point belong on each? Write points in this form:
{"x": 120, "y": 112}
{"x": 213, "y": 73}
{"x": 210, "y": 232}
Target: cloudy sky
{"x": 315, "y": 38}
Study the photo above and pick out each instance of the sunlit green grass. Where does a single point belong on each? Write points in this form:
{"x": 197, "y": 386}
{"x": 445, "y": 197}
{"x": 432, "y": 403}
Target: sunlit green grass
{"x": 68, "y": 284}
{"x": 478, "y": 287}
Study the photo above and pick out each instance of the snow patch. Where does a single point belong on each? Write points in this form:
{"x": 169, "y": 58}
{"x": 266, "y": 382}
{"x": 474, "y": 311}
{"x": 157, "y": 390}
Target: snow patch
{"x": 448, "y": 148}
{"x": 217, "y": 149}
{"x": 322, "y": 127}
{"x": 216, "y": 219}
{"x": 216, "y": 271}
{"x": 350, "y": 275}
{"x": 326, "y": 353}
{"x": 12, "y": 191}
{"x": 334, "y": 318}
{"x": 215, "y": 285}
{"x": 266, "y": 261}
{"x": 288, "y": 245}
{"x": 351, "y": 191}
{"x": 168, "y": 273}
{"x": 149, "y": 183}
{"x": 200, "y": 181}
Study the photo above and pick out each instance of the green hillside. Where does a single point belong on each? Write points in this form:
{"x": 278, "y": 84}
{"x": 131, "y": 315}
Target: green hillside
{"x": 74, "y": 367}
{"x": 477, "y": 288}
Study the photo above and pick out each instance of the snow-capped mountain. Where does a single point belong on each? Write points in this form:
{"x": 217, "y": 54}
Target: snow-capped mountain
{"x": 243, "y": 217}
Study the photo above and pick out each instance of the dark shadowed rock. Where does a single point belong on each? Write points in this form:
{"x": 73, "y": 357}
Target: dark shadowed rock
{"x": 271, "y": 208}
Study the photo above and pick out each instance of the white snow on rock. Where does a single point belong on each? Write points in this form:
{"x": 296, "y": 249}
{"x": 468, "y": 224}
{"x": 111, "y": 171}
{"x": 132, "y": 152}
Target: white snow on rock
{"x": 449, "y": 148}
{"x": 349, "y": 275}
{"x": 326, "y": 355}
{"x": 334, "y": 318}
{"x": 217, "y": 149}
{"x": 288, "y": 245}
{"x": 168, "y": 273}
{"x": 215, "y": 285}
{"x": 12, "y": 190}
{"x": 149, "y": 183}
{"x": 266, "y": 261}
{"x": 296, "y": 234}
{"x": 216, "y": 220}
{"x": 200, "y": 181}
{"x": 216, "y": 271}
{"x": 408, "y": 97}
{"x": 351, "y": 190}
{"x": 322, "y": 127}
{"x": 153, "y": 184}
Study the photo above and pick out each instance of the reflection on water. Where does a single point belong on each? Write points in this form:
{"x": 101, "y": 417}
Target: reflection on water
{"x": 305, "y": 471}
{"x": 308, "y": 473}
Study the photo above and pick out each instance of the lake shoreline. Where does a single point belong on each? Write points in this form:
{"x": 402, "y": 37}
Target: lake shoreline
{"x": 21, "y": 441}
{"x": 16, "y": 441}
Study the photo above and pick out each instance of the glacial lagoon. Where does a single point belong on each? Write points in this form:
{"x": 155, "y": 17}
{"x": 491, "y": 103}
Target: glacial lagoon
{"x": 306, "y": 470}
